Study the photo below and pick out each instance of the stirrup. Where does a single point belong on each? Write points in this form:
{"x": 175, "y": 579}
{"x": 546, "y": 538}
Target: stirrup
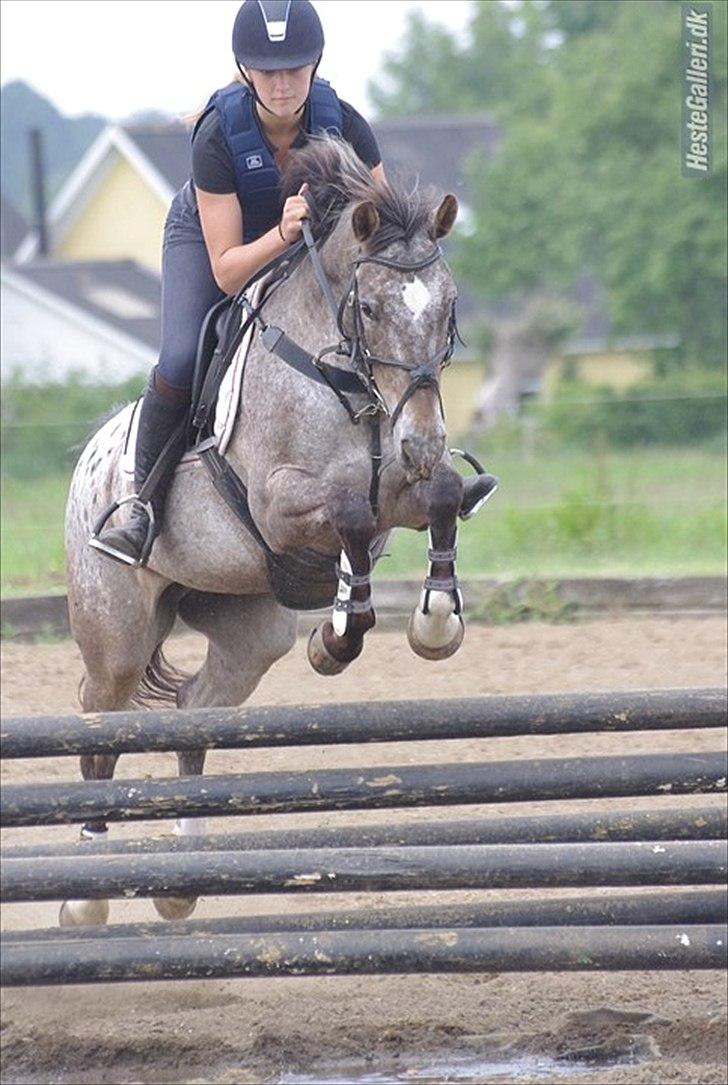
{"x": 479, "y": 470}
{"x": 98, "y": 544}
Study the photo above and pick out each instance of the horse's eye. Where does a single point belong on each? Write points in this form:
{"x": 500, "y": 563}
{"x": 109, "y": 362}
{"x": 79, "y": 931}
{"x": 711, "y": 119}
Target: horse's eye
{"x": 366, "y": 309}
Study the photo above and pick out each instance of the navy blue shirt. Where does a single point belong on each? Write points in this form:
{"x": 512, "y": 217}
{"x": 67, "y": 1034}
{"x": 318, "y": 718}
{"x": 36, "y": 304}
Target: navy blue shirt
{"x": 212, "y": 164}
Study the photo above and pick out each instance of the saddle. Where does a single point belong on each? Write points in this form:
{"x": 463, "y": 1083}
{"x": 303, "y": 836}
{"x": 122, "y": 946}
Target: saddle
{"x": 306, "y": 580}
{"x": 215, "y": 335}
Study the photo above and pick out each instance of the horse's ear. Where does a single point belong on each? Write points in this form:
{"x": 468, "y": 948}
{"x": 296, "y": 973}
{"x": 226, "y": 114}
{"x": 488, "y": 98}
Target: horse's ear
{"x": 443, "y": 219}
{"x": 364, "y": 220}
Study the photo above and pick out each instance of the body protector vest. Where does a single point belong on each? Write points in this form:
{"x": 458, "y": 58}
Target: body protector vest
{"x": 257, "y": 176}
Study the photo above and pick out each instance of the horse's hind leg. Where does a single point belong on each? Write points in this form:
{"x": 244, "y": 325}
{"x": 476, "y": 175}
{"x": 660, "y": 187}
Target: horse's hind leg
{"x": 116, "y": 656}
{"x": 190, "y": 763}
{"x": 246, "y": 635}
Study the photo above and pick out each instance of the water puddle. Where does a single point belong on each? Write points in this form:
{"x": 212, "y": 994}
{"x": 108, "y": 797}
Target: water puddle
{"x": 452, "y": 1070}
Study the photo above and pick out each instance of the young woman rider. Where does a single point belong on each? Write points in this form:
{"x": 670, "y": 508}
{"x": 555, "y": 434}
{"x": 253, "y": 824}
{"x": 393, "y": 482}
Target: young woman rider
{"x": 228, "y": 221}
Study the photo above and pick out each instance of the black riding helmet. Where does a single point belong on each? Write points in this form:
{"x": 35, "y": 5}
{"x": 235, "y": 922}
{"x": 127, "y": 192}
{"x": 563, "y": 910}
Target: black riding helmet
{"x": 270, "y": 35}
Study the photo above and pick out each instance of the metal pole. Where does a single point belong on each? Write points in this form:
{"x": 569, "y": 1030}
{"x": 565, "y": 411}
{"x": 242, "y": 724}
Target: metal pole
{"x": 450, "y": 950}
{"x": 387, "y": 721}
{"x": 346, "y": 789}
{"x": 488, "y": 866}
{"x": 643, "y": 909}
{"x": 687, "y": 823}
{"x": 37, "y": 174}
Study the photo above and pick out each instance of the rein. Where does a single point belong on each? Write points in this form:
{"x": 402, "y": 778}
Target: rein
{"x": 357, "y": 381}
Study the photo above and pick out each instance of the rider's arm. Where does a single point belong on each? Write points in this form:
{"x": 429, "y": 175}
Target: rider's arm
{"x": 222, "y": 226}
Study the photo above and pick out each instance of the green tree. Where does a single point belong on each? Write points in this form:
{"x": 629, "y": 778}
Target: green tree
{"x": 571, "y": 18}
{"x": 588, "y": 96}
{"x": 435, "y": 73}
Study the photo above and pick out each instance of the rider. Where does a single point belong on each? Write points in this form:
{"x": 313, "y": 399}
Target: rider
{"x": 228, "y": 220}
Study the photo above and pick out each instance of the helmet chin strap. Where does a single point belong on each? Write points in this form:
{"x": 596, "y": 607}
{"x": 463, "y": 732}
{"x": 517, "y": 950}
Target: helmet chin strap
{"x": 251, "y": 87}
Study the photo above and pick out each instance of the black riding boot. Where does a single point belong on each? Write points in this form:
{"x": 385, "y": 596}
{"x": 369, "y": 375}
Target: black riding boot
{"x": 476, "y": 491}
{"x": 161, "y": 411}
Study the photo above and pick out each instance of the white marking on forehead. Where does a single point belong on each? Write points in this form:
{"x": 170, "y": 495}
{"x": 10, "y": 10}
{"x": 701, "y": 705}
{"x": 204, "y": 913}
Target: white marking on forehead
{"x": 416, "y": 297}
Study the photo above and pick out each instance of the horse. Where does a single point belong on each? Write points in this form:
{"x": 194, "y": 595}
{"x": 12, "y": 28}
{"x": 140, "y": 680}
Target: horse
{"x": 328, "y": 473}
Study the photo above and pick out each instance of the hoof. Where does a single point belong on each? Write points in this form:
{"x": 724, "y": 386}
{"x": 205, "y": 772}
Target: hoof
{"x": 440, "y": 641}
{"x": 175, "y": 907}
{"x": 319, "y": 656}
{"x": 79, "y": 913}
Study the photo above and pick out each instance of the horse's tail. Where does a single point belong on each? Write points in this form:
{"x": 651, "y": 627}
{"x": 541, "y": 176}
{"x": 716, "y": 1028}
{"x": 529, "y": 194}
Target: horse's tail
{"x": 160, "y": 683}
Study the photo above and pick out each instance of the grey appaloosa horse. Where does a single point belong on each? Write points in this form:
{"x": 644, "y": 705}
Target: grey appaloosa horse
{"x": 308, "y": 470}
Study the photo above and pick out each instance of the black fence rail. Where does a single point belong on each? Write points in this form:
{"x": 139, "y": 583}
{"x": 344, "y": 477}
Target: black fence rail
{"x": 681, "y": 848}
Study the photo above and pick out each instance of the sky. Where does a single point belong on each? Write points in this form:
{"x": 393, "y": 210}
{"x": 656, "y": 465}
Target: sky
{"x": 118, "y": 57}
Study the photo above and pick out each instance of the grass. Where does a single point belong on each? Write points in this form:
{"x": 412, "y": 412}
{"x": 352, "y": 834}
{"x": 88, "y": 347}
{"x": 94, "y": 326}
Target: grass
{"x": 641, "y": 512}
{"x": 656, "y": 511}
{"x": 33, "y": 559}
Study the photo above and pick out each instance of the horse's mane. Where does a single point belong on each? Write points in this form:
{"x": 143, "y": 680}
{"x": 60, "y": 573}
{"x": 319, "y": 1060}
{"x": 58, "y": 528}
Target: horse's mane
{"x": 336, "y": 177}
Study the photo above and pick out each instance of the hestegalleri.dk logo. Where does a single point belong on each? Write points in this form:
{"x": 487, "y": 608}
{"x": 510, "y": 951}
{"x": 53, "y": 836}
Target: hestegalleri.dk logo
{"x": 696, "y": 141}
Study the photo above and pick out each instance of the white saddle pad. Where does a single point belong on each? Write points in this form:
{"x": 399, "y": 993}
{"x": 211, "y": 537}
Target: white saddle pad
{"x": 226, "y": 409}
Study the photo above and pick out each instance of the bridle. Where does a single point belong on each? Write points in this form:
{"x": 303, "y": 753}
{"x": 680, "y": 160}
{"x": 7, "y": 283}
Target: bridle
{"x": 353, "y": 345}
{"x": 344, "y": 383}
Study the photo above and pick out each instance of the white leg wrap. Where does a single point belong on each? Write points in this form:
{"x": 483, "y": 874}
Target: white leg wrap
{"x": 190, "y": 827}
{"x": 436, "y": 626}
{"x": 92, "y": 835}
{"x": 340, "y": 618}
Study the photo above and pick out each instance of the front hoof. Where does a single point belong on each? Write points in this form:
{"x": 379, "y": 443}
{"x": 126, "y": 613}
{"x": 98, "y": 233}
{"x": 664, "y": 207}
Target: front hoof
{"x": 320, "y": 657}
{"x": 434, "y": 643}
{"x": 79, "y": 913}
{"x": 175, "y": 907}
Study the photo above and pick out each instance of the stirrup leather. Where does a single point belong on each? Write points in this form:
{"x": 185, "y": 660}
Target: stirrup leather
{"x": 98, "y": 543}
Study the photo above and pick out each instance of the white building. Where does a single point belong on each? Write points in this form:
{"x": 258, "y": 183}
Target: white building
{"x": 100, "y": 319}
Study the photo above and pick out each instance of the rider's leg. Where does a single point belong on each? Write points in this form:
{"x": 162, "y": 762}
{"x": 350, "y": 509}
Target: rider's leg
{"x": 476, "y": 491}
{"x": 161, "y": 411}
{"x": 189, "y": 290}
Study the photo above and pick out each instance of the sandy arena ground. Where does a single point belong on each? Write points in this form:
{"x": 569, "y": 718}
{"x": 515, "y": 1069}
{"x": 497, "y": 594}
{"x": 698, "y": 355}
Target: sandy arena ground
{"x": 620, "y": 1027}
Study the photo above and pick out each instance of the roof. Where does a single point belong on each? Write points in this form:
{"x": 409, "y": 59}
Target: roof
{"x": 13, "y": 227}
{"x": 120, "y": 293}
{"x": 167, "y": 147}
{"x": 435, "y": 148}
{"x": 78, "y": 188}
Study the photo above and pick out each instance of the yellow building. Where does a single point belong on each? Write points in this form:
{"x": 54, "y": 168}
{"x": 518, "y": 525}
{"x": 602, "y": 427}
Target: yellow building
{"x": 616, "y": 368}
{"x": 113, "y": 205}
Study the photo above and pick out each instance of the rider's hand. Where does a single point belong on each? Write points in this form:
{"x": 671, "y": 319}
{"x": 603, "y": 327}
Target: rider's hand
{"x": 294, "y": 210}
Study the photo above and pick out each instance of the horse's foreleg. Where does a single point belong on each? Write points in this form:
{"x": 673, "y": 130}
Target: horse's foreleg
{"x": 436, "y": 628}
{"x": 333, "y": 645}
